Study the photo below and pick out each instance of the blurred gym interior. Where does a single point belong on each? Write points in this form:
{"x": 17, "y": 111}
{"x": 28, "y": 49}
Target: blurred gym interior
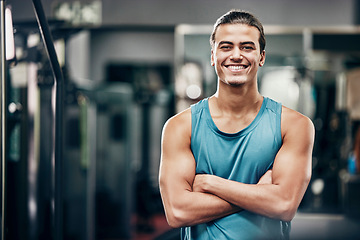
{"x": 87, "y": 86}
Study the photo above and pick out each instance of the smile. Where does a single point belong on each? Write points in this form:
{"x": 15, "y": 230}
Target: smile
{"x": 236, "y": 67}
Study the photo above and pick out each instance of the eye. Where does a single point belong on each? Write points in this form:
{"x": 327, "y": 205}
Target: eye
{"x": 249, "y": 47}
{"x": 225, "y": 47}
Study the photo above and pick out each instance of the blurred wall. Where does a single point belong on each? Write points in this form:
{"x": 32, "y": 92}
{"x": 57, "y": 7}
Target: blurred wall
{"x": 89, "y": 52}
{"x": 149, "y": 46}
{"x": 171, "y": 12}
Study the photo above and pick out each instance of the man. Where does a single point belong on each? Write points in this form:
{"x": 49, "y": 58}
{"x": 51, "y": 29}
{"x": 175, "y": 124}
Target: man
{"x": 235, "y": 165}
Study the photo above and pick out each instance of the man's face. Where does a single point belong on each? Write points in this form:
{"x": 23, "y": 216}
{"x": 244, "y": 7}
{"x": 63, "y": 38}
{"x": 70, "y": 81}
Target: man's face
{"x": 236, "y": 54}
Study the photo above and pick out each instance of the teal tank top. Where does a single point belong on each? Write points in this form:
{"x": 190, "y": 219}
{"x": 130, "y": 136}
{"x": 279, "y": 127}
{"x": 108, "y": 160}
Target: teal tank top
{"x": 244, "y": 157}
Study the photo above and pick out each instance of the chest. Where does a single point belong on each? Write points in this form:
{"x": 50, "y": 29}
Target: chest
{"x": 242, "y": 158}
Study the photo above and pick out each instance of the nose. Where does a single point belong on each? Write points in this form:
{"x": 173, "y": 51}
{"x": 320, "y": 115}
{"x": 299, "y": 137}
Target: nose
{"x": 236, "y": 54}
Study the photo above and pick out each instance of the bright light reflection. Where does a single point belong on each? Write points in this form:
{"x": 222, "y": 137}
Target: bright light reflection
{"x": 9, "y": 34}
{"x": 193, "y": 91}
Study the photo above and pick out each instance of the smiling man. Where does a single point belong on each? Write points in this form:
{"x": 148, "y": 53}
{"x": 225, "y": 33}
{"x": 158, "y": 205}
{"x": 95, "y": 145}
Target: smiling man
{"x": 235, "y": 165}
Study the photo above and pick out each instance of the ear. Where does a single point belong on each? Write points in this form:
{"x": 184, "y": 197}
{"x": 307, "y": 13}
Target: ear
{"x": 212, "y": 58}
{"x": 262, "y": 58}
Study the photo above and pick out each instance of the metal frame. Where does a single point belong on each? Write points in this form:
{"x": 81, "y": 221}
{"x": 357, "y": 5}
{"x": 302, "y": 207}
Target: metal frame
{"x": 59, "y": 81}
{"x": 3, "y": 114}
{"x": 57, "y": 168}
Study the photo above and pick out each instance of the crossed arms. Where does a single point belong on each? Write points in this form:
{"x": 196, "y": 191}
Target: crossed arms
{"x": 191, "y": 199}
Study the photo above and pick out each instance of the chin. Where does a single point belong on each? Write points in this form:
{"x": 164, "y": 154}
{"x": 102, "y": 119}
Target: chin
{"x": 235, "y": 82}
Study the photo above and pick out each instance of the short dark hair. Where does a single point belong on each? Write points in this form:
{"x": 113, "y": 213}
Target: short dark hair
{"x": 239, "y": 17}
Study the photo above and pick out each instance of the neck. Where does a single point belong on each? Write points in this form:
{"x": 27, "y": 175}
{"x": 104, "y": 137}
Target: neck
{"x": 237, "y": 100}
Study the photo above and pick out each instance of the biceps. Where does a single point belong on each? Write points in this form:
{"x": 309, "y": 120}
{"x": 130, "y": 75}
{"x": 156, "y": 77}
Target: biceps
{"x": 293, "y": 162}
{"x": 177, "y": 172}
{"x": 292, "y": 170}
{"x": 290, "y": 167}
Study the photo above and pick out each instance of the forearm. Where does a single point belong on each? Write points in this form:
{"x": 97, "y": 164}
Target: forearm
{"x": 264, "y": 199}
{"x": 190, "y": 208}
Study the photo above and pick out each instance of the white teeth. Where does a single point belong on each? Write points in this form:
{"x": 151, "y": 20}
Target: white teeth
{"x": 236, "y": 67}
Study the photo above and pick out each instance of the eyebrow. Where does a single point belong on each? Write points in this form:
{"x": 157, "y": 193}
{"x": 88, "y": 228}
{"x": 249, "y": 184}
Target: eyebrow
{"x": 249, "y": 42}
{"x": 225, "y": 42}
{"x": 231, "y": 43}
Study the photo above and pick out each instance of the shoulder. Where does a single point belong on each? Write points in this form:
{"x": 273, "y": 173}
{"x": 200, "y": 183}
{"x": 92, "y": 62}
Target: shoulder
{"x": 294, "y": 123}
{"x": 179, "y": 125}
{"x": 294, "y": 118}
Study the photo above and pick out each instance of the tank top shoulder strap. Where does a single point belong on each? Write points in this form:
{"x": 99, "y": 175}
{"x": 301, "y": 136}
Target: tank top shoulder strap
{"x": 197, "y": 111}
{"x": 276, "y": 109}
{"x": 274, "y": 106}
{"x": 196, "y": 107}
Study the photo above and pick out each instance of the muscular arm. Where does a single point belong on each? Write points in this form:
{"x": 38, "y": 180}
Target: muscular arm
{"x": 183, "y": 206}
{"x": 290, "y": 176}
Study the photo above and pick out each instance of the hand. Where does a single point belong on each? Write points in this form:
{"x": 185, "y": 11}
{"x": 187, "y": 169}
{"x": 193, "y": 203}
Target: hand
{"x": 266, "y": 178}
{"x": 201, "y": 182}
